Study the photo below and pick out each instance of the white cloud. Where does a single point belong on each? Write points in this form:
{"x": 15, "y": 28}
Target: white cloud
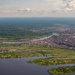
{"x": 29, "y": 11}
{"x": 25, "y": 9}
{"x": 22, "y": 11}
{"x": 64, "y": 6}
{"x": 42, "y": 7}
{"x": 70, "y": 4}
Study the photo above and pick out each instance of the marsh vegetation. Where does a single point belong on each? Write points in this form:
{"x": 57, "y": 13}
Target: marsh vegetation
{"x": 26, "y": 50}
{"x": 62, "y": 70}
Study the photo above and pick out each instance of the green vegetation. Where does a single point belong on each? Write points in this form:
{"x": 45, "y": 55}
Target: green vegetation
{"x": 9, "y": 50}
{"x": 19, "y": 54}
{"x": 52, "y": 61}
{"x": 16, "y": 29}
{"x": 62, "y": 70}
{"x": 23, "y": 50}
{"x": 24, "y": 28}
{"x": 56, "y": 61}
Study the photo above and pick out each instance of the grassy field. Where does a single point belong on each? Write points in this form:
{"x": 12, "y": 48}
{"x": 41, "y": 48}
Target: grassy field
{"x": 68, "y": 70}
{"x": 26, "y": 50}
{"x": 52, "y": 61}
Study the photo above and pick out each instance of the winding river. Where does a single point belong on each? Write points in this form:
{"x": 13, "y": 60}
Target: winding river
{"x": 19, "y": 66}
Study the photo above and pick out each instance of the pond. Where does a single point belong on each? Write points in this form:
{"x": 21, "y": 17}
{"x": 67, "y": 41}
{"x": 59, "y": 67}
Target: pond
{"x": 19, "y": 66}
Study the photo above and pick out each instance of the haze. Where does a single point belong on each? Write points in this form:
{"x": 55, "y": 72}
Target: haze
{"x": 37, "y": 8}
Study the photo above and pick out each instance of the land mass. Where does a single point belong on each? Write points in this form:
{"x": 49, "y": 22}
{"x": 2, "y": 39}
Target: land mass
{"x": 52, "y": 38}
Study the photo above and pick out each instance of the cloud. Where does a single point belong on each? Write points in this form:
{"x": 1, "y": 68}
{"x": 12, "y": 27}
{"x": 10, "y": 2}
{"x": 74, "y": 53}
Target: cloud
{"x": 63, "y": 6}
{"x": 25, "y": 11}
{"x": 39, "y": 7}
{"x": 70, "y": 4}
{"x": 28, "y": 11}
{"x": 22, "y": 12}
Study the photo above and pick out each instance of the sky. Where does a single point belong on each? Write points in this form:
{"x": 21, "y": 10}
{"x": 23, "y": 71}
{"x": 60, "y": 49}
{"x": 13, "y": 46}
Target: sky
{"x": 37, "y": 8}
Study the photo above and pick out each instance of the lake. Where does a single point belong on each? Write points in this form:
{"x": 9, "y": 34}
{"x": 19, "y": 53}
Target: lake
{"x": 19, "y": 66}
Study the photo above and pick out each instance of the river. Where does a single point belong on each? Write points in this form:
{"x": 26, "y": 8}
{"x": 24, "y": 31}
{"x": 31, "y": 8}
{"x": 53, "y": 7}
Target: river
{"x": 19, "y": 66}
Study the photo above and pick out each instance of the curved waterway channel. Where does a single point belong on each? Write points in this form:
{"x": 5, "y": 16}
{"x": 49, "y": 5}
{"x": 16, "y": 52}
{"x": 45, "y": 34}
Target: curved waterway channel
{"x": 19, "y": 66}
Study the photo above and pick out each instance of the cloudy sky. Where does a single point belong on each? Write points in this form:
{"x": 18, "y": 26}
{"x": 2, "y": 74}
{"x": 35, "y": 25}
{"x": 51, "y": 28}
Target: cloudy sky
{"x": 37, "y": 8}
